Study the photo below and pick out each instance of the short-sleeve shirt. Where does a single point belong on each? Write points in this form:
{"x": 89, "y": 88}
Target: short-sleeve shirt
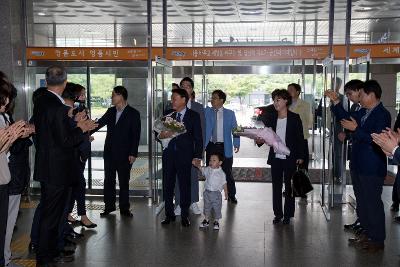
{"x": 215, "y": 179}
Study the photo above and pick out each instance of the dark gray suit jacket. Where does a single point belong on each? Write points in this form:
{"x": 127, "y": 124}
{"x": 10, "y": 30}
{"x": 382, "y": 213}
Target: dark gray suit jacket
{"x": 196, "y": 106}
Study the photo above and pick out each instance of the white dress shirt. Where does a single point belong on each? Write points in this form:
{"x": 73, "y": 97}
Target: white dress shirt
{"x": 281, "y": 132}
{"x": 215, "y": 178}
{"x": 59, "y": 97}
{"x": 220, "y": 126}
{"x": 118, "y": 114}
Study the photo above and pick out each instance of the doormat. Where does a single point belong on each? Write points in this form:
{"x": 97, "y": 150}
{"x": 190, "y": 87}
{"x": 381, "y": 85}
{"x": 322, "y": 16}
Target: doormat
{"x": 263, "y": 175}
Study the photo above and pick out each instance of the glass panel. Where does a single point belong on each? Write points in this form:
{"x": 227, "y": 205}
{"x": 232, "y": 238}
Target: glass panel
{"x": 162, "y": 87}
{"x": 326, "y": 143}
{"x": 102, "y": 82}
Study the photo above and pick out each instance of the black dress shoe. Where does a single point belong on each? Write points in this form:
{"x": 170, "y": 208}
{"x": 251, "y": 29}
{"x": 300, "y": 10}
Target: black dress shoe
{"x": 63, "y": 259}
{"x": 185, "y": 222}
{"x": 277, "y": 220}
{"x": 69, "y": 248}
{"x": 373, "y": 247}
{"x": 286, "y": 221}
{"x": 106, "y": 212}
{"x": 32, "y": 248}
{"x": 395, "y": 207}
{"x": 66, "y": 253}
{"x": 92, "y": 225}
{"x": 167, "y": 220}
{"x": 358, "y": 240}
{"x": 233, "y": 200}
{"x": 75, "y": 235}
{"x": 69, "y": 243}
{"x": 351, "y": 226}
{"x": 126, "y": 213}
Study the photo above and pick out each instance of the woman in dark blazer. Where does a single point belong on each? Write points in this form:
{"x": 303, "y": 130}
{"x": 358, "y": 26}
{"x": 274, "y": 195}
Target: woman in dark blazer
{"x": 289, "y": 128}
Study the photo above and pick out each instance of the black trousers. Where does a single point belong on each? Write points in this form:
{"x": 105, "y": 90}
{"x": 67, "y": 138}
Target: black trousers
{"x": 395, "y": 191}
{"x": 53, "y": 203}
{"x": 226, "y": 166}
{"x": 306, "y": 155}
{"x": 282, "y": 171}
{"x": 3, "y": 219}
{"x": 111, "y": 167}
{"x": 79, "y": 191}
{"x": 371, "y": 212}
{"x": 177, "y": 169}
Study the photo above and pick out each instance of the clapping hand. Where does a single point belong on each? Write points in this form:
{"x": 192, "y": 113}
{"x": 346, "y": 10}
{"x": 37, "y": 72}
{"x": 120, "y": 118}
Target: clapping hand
{"x": 29, "y": 129}
{"x": 10, "y": 134}
{"x": 81, "y": 116}
{"x": 332, "y": 95}
{"x": 350, "y": 125}
{"x": 387, "y": 140}
{"x": 86, "y": 125}
{"x": 5, "y": 135}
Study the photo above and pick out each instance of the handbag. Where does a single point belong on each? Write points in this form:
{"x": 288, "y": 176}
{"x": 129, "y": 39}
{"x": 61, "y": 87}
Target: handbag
{"x": 301, "y": 184}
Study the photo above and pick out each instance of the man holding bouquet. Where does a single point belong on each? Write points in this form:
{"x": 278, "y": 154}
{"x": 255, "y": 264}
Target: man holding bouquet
{"x": 182, "y": 151}
{"x": 219, "y": 125}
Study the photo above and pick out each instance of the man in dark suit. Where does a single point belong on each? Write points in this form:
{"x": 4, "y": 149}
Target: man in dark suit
{"x": 352, "y": 92}
{"x": 55, "y": 142}
{"x": 178, "y": 157}
{"x": 368, "y": 161}
{"x": 120, "y": 150}
{"x": 396, "y": 185}
{"x": 188, "y": 84}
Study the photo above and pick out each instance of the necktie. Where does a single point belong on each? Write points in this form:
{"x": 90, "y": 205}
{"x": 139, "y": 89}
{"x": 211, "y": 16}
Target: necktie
{"x": 178, "y": 118}
{"x": 215, "y": 130}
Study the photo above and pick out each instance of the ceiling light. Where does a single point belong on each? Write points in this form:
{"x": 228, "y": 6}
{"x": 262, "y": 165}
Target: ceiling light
{"x": 42, "y": 14}
{"x": 367, "y": 8}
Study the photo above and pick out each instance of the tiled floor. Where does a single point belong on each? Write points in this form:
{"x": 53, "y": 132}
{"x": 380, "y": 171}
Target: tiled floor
{"x": 246, "y": 238}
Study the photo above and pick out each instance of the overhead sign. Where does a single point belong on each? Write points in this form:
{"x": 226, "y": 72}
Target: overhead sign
{"x": 244, "y": 53}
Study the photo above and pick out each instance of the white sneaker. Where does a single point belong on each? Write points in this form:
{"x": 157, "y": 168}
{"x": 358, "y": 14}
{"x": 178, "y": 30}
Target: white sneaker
{"x": 216, "y": 225}
{"x": 177, "y": 211}
{"x": 195, "y": 209}
{"x": 204, "y": 224}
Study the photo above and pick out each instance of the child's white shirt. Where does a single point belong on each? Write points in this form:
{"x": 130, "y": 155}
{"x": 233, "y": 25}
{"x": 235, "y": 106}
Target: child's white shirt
{"x": 215, "y": 178}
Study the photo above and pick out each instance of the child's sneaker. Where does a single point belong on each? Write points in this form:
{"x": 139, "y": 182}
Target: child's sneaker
{"x": 204, "y": 224}
{"x": 216, "y": 225}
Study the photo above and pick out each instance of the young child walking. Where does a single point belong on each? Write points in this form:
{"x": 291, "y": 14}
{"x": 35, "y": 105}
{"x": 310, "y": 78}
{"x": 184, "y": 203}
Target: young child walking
{"x": 215, "y": 183}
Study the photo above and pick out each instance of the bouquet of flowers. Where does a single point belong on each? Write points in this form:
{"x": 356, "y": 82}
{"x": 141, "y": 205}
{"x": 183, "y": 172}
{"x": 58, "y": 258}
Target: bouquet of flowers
{"x": 167, "y": 123}
{"x": 266, "y": 134}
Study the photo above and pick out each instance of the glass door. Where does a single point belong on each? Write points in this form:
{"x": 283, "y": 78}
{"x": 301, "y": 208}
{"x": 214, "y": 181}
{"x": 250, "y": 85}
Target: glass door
{"x": 162, "y": 86}
{"x": 99, "y": 79}
{"x": 102, "y": 81}
{"x": 326, "y": 139}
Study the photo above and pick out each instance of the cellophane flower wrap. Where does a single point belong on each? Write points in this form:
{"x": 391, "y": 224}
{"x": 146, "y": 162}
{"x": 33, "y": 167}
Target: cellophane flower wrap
{"x": 266, "y": 134}
{"x": 167, "y": 123}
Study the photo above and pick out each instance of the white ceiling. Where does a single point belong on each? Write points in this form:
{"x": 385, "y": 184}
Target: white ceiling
{"x": 135, "y": 11}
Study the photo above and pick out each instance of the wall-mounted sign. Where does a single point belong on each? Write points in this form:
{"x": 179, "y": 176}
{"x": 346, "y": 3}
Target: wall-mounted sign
{"x": 253, "y": 53}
